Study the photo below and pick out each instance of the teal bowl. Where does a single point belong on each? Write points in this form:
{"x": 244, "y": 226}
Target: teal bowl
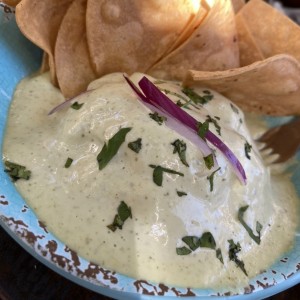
{"x": 18, "y": 58}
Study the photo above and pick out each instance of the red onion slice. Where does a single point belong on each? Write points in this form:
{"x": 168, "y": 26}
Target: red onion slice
{"x": 152, "y": 95}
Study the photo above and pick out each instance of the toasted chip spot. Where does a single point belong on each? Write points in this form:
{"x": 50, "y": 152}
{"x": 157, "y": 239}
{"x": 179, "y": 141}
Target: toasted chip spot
{"x": 110, "y": 11}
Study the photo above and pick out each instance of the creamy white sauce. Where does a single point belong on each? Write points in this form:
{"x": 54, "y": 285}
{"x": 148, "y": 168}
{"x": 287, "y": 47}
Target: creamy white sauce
{"x": 78, "y": 203}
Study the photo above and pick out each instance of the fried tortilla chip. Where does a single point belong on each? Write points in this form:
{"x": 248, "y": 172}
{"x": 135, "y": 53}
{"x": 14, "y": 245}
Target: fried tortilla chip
{"x": 72, "y": 59}
{"x": 39, "y": 21}
{"x": 237, "y": 5}
{"x": 273, "y": 32}
{"x": 249, "y": 50}
{"x": 12, "y": 3}
{"x": 45, "y": 63}
{"x": 131, "y": 35}
{"x": 271, "y": 86}
{"x": 213, "y": 46}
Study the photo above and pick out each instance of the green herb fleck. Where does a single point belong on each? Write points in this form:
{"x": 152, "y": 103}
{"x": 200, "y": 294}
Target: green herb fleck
{"x": 136, "y": 145}
{"x": 76, "y": 105}
{"x": 219, "y": 255}
{"x": 16, "y": 171}
{"x": 209, "y": 161}
{"x": 68, "y": 162}
{"x": 192, "y": 242}
{"x": 234, "y": 249}
{"x": 248, "y": 148}
{"x": 215, "y": 122}
{"x": 124, "y": 212}
{"x": 196, "y": 98}
{"x": 158, "y": 82}
{"x": 256, "y": 238}
{"x": 183, "y": 251}
{"x": 158, "y": 173}
{"x": 202, "y": 129}
{"x": 110, "y": 149}
{"x": 211, "y": 179}
{"x": 180, "y": 193}
{"x": 207, "y": 241}
{"x": 234, "y": 108}
{"x": 180, "y": 148}
{"x": 157, "y": 118}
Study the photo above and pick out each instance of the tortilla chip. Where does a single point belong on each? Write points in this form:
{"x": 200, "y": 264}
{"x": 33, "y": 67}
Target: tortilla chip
{"x": 213, "y": 46}
{"x": 237, "y": 5}
{"x": 72, "y": 58}
{"x": 273, "y": 32}
{"x": 249, "y": 51}
{"x": 45, "y": 63}
{"x": 271, "y": 86}
{"x": 39, "y": 21}
{"x": 12, "y": 3}
{"x": 131, "y": 35}
{"x": 190, "y": 28}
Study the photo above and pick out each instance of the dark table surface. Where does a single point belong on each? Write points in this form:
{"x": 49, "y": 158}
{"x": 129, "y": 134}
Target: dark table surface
{"x": 22, "y": 277}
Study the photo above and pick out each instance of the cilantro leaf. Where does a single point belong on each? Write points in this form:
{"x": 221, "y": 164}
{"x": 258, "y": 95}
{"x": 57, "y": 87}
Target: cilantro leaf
{"x": 180, "y": 193}
{"x": 157, "y": 118}
{"x": 110, "y": 149}
{"x": 209, "y": 161}
{"x": 248, "y": 148}
{"x": 68, "y": 162}
{"x": 256, "y": 238}
{"x": 158, "y": 173}
{"x": 207, "y": 240}
{"x": 180, "y": 148}
{"x": 76, "y": 105}
{"x": 136, "y": 145}
{"x": 183, "y": 250}
{"x": 124, "y": 212}
{"x": 211, "y": 179}
{"x": 234, "y": 249}
{"x": 16, "y": 171}
{"x": 195, "y": 97}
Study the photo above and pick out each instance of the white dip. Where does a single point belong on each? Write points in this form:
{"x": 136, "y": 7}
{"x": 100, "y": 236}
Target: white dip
{"x": 77, "y": 203}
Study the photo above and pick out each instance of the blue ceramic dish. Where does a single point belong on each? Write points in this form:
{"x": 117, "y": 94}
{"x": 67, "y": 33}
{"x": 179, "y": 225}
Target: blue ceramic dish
{"x": 18, "y": 58}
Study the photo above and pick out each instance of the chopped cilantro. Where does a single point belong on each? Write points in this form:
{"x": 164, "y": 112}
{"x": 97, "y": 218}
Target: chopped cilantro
{"x": 180, "y": 193}
{"x": 209, "y": 161}
{"x": 158, "y": 173}
{"x": 256, "y": 238}
{"x": 248, "y": 148}
{"x": 207, "y": 241}
{"x": 215, "y": 122}
{"x": 202, "y": 129}
{"x": 234, "y": 249}
{"x": 196, "y": 98}
{"x": 192, "y": 242}
{"x": 136, "y": 145}
{"x": 219, "y": 255}
{"x": 157, "y": 118}
{"x": 180, "y": 148}
{"x": 234, "y": 108}
{"x": 16, "y": 171}
{"x": 124, "y": 212}
{"x": 76, "y": 105}
{"x": 211, "y": 179}
{"x": 68, "y": 162}
{"x": 183, "y": 251}
{"x": 110, "y": 149}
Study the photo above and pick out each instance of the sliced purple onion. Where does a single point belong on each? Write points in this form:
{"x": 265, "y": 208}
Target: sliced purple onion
{"x": 152, "y": 95}
{"x": 173, "y": 123}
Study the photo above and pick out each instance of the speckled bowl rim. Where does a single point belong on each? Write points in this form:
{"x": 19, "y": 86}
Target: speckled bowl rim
{"x": 18, "y": 58}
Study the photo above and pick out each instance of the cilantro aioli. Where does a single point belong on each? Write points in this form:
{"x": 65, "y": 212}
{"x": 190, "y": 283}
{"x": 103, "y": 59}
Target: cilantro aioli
{"x": 78, "y": 202}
